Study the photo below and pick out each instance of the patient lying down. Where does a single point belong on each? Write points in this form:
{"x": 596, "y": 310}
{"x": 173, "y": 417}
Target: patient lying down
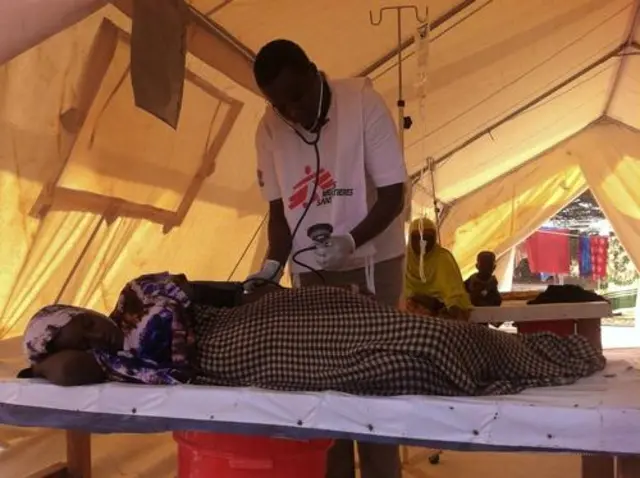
{"x": 309, "y": 339}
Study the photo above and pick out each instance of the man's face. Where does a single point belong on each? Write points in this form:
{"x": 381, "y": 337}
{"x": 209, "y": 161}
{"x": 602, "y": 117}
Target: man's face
{"x": 295, "y": 95}
{"x": 429, "y": 236}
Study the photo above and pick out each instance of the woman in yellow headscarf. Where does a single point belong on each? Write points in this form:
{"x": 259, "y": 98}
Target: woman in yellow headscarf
{"x": 433, "y": 280}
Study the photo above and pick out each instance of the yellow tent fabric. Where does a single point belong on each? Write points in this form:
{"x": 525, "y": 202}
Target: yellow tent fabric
{"x": 613, "y": 174}
{"x": 529, "y": 103}
{"x": 96, "y": 191}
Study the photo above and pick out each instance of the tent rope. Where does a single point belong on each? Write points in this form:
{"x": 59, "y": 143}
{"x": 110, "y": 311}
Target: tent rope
{"x": 246, "y": 249}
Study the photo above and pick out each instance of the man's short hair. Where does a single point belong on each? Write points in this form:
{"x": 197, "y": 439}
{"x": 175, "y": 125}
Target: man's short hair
{"x": 278, "y": 55}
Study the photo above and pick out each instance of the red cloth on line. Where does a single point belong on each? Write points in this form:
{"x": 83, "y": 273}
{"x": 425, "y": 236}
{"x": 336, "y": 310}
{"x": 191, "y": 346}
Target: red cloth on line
{"x": 548, "y": 252}
{"x": 599, "y": 256}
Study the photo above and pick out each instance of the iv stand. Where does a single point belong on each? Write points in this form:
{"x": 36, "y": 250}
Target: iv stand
{"x": 404, "y": 122}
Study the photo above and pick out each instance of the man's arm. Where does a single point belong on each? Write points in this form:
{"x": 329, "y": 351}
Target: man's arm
{"x": 384, "y": 163}
{"x": 388, "y": 206}
{"x": 279, "y": 233}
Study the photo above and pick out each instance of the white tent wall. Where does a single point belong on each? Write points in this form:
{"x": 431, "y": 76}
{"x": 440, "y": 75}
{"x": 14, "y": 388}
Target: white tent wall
{"x": 500, "y": 58}
{"x": 609, "y": 158}
{"x": 604, "y": 157}
{"x": 502, "y": 214}
{"x": 20, "y": 29}
{"x": 504, "y": 270}
{"x": 625, "y": 100}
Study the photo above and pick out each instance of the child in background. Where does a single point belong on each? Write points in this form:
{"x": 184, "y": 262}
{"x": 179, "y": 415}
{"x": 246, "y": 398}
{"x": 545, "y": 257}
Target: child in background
{"x": 483, "y": 286}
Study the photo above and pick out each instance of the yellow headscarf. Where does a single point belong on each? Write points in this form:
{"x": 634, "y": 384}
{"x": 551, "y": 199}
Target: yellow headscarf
{"x": 441, "y": 276}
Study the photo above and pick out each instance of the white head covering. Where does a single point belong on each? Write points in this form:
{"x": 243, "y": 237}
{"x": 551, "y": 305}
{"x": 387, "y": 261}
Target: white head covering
{"x": 44, "y": 326}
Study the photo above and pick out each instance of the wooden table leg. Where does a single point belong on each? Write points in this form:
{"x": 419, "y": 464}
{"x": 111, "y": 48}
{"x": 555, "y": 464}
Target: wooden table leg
{"x": 591, "y": 329}
{"x": 597, "y": 466}
{"x": 628, "y": 467}
{"x": 78, "y": 454}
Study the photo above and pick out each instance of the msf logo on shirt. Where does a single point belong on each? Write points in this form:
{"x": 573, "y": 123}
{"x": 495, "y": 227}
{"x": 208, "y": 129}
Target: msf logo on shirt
{"x": 325, "y": 191}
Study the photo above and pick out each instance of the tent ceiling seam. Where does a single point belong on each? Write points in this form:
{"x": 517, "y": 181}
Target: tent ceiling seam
{"x": 621, "y": 124}
{"x": 217, "y": 8}
{"x": 513, "y": 82}
{"x": 629, "y": 43}
{"x": 550, "y": 149}
{"x": 218, "y": 30}
{"x": 524, "y": 108}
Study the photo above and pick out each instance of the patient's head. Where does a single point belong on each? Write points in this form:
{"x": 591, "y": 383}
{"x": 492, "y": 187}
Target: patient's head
{"x": 61, "y": 327}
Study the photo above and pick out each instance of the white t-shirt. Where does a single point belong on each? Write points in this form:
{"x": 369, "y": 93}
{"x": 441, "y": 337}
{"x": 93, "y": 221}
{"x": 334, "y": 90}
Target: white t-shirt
{"x": 359, "y": 152}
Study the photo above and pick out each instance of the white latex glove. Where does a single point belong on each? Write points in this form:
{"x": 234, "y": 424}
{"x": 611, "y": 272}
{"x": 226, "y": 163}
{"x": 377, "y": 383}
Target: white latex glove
{"x": 334, "y": 254}
{"x": 271, "y": 271}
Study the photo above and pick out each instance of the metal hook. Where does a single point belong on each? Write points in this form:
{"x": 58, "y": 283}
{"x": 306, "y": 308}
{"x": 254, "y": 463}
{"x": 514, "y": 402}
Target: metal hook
{"x": 398, "y": 8}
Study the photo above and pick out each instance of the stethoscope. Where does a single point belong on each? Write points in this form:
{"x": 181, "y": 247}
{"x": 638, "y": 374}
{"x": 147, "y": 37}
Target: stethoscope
{"x": 316, "y": 129}
{"x": 318, "y": 124}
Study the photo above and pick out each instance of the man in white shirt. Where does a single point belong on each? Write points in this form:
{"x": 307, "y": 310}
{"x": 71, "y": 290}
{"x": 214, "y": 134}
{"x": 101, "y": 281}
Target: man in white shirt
{"x": 342, "y": 133}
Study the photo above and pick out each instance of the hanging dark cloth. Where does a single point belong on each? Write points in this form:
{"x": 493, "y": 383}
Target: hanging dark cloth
{"x": 566, "y": 294}
{"x": 158, "y": 56}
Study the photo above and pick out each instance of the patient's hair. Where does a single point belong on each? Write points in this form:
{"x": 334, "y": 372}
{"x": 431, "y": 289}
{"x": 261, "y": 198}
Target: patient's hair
{"x": 276, "y": 56}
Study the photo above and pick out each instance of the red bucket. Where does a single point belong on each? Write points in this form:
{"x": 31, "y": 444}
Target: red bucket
{"x": 206, "y": 455}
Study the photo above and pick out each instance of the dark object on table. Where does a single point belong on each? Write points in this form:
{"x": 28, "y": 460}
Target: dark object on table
{"x": 566, "y": 294}
{"x": 217, "y": 294}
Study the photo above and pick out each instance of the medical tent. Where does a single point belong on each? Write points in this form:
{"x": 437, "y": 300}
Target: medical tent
{"x": 528, "y": 104}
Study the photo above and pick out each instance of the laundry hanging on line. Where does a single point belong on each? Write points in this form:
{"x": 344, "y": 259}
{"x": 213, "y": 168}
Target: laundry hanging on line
{"x": 593, "y": 256}
{"x": 599, "y": 256}
{"x": 548, "y": 251}
{"x": 584, "y": 257}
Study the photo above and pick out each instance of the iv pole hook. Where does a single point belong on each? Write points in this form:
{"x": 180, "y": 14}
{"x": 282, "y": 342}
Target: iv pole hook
{"x": 398, "y": 8}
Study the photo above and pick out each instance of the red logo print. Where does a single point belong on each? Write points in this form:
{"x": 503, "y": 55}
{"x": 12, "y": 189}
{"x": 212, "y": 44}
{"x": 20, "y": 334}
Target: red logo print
{"x": 303, "y": 188}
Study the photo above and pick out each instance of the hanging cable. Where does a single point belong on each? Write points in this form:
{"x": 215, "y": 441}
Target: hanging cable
{"x": 422, "y": 42}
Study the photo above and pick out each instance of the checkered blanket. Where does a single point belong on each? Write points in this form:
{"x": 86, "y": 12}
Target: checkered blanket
{"x": 322, "y": 338}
